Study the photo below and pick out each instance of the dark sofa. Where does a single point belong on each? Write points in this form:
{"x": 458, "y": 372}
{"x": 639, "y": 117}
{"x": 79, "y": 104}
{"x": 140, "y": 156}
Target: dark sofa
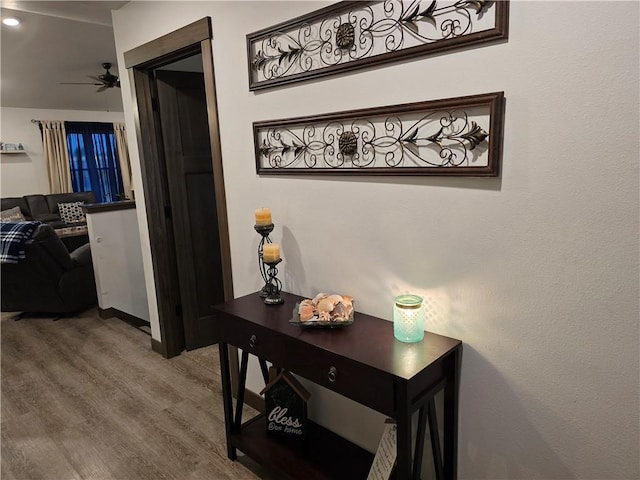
{"x": 49, "y": 279}
{"x": 44, "y": 208}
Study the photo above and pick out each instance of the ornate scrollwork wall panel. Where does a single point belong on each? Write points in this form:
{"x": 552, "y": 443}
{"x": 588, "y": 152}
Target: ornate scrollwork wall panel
{"x": 456, "y": 136}
{"x": 351, "y": 35}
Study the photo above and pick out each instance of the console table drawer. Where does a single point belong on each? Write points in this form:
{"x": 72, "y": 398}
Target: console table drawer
{"x": 351, "y": 379}
{"x": 249, "y": 337}
{"x": 359, "y": 382}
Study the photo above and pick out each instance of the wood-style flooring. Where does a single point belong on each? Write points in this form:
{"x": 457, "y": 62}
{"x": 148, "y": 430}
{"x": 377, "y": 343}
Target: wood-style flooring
{"x": 86, "y": 398}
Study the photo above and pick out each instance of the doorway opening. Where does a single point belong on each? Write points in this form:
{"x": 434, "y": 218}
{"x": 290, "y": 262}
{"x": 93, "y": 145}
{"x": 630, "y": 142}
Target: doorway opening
{"x": 181, "y": 164}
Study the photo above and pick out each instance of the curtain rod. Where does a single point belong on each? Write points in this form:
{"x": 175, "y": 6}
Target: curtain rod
{"x": 33, "y": 120}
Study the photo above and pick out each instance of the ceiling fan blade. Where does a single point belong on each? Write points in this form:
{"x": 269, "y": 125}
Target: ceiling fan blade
{"x": 104, "y": 81}
{"x": 79, "y": 83}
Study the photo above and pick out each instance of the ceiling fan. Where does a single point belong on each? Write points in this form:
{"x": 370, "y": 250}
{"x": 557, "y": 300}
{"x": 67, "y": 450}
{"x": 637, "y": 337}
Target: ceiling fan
{"x": 104, "y": 81}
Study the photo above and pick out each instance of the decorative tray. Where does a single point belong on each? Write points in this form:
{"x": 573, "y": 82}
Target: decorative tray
{"x": 324, "y": 311}
{"x": 315, "y": 323}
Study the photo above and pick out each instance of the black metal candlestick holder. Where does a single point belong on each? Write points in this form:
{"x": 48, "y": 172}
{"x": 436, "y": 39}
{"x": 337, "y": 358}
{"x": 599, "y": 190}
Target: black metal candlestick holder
{"x": 264, "y": 231}
{"x": 274, "y": 285}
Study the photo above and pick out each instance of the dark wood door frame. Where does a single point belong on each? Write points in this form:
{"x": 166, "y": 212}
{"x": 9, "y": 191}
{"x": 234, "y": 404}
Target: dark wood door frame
{"x": 141, "y": 63}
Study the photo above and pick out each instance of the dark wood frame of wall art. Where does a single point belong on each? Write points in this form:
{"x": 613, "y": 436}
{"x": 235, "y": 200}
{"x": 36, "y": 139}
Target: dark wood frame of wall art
{"x": 493, "y": 101}
{"x": 499, "y": 32}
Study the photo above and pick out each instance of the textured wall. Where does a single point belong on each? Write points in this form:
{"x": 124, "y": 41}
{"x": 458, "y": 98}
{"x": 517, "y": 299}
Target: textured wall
{"x": 537, "y": 271}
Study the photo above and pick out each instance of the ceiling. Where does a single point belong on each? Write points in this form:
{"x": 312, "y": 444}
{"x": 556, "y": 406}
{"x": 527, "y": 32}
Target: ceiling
{"x": 58, "y": 41}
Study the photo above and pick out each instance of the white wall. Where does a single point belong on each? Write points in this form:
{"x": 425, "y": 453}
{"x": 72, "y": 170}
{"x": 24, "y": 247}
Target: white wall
{"x": 117, "y": 261}
{"x": 27, "y": 174}
{"x": 537, "y": 271}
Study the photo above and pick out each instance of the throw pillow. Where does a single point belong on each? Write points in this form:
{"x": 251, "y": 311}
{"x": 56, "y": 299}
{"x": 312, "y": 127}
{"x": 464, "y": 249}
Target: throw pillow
{"x": 71, "y": 212}
{"x": 12, "y": 215}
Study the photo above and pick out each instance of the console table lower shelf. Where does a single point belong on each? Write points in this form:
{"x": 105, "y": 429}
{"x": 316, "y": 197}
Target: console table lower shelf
{"x": 322, "y": 455}
{"x": 363, "y": 362}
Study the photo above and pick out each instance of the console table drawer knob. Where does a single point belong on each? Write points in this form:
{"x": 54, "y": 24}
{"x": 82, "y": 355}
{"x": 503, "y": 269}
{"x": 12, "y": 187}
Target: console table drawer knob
{"x": 253, "y": 340}
{"x": 333, "y": 374}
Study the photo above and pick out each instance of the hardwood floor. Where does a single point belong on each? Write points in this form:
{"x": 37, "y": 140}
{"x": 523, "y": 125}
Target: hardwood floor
{"x": 86, "y": 398}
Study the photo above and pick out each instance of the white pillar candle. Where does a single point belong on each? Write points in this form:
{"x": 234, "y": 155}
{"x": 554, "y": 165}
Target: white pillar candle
{"x": 263, "y": 217}
{"x": 271, "y": 252}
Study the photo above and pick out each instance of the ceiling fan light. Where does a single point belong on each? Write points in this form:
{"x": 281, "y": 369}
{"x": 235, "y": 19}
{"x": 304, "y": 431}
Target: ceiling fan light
{"x": 11, "y": 21}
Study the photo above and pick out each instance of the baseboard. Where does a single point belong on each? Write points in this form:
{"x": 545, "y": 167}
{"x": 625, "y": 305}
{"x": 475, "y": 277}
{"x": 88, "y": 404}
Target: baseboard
{"x": 126, "y": 317}
{"x": 156, "y": 346}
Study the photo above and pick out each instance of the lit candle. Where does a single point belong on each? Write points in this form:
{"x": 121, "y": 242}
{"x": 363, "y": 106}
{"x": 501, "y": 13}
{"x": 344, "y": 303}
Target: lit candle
{"x": 263, "y": 217}
{"x": 408, "y": 318}
{"x": 271, "y": 252}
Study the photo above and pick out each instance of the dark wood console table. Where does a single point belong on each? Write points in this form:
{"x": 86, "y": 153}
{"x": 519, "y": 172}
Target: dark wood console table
{"x": 363, "y": 362}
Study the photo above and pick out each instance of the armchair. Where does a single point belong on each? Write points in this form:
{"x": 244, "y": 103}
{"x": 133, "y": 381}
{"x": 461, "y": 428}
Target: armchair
{"x": 49, "y": 279}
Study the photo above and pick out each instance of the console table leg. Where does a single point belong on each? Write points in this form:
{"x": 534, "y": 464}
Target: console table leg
{"x": 226, "y": 397}
{"x": 419, "y": 449}
{"x": 241, "y": 387}
{"x": 435, "y": 438}
{"x": 403, "y": 422}
{"x": 451, "y": 401}
{"x": 265, "y": 370}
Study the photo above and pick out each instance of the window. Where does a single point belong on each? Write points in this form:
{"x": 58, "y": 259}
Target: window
{"x": 93, "y": 159}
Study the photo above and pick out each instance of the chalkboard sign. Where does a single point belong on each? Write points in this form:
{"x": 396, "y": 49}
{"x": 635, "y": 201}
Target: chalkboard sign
{"x": 285, "y": 406}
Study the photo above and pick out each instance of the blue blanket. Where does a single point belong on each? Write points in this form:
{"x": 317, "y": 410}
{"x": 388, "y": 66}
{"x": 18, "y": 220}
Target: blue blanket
{"x": 13, "y": 236}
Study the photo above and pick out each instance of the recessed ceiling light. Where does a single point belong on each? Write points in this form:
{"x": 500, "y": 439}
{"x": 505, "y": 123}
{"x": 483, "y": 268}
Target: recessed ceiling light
{"x": 11, "y": 22}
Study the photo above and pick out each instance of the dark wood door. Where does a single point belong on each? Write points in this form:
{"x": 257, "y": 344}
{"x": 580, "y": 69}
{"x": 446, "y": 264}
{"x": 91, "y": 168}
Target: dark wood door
{"x": 185, "y": 135}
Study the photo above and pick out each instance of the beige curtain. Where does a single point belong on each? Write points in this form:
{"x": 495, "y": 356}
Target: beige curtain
{"x": 54, "y": 142}
{"x": 123, "y": 156}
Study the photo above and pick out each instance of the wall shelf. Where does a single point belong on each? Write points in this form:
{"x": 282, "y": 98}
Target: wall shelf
{"x": 13, "y": 152}
{"x": 11, "y": 148}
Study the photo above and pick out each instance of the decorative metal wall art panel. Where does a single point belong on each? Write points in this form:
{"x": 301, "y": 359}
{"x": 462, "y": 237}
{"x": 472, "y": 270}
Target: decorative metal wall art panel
{"x": 351, "y": 35}
{"x": 456, "y": 136}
